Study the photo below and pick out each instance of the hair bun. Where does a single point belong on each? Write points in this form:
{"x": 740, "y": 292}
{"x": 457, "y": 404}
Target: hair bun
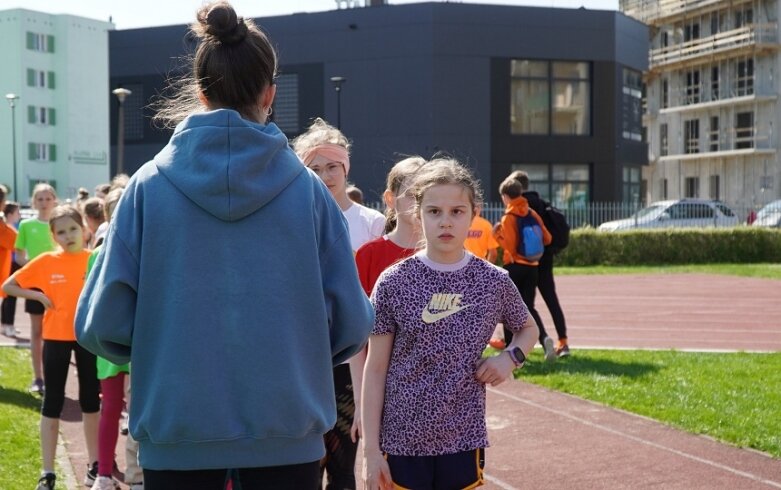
{"x": 219, "y": 20}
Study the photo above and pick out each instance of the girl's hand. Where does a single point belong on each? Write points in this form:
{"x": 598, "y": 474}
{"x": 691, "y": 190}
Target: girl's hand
{"x": 45, "y": 301}
{"x": 495, "y": 370}
{"x": 355, "y": 430}
{"x": 376, "y": 472}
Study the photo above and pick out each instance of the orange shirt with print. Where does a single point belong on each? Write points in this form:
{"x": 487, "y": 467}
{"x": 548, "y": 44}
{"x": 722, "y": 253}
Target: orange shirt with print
{"x": 60, "y": 276}
{"x": 480, "y": 238}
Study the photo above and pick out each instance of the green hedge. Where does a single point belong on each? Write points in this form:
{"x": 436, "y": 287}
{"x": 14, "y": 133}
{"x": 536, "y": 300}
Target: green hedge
{"x": 672, "y": 246}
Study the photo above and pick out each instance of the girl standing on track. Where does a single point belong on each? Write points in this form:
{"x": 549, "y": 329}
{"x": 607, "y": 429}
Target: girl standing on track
{"x": 424, "y": 390}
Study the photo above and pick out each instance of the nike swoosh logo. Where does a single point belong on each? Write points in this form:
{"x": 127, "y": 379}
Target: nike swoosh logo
{"x": 429, "y": 317}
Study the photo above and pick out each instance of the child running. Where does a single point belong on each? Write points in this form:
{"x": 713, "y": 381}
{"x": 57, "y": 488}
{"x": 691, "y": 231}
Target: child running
{"x": 424, "y": 391}
{"x": 34, "y": 239}
{"x": 7, "y": 241}
{"x": 55, "y": 279}
{"x": 403, "y": 237}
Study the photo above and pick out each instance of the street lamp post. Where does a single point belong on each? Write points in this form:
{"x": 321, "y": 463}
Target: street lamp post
{"x": 121, "y": 94}
{"x": 338, "y": 81}
{"x": 12, "y": 98}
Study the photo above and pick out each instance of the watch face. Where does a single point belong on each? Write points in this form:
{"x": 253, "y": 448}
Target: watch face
{"x": 518, "y": 354}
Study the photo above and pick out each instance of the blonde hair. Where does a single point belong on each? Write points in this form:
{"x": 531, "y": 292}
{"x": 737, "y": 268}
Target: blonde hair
{"x": 397, "y": 176}
{"x": 41, "y": 187}
{"x": 111, "y": 202}
{"x": 319, "y": 133}
{"x": 446, "y": 171}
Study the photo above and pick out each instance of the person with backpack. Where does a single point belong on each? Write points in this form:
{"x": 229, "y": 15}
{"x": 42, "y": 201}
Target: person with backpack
{"x": 523, "y": 235}
{"x": 556, "y": 223}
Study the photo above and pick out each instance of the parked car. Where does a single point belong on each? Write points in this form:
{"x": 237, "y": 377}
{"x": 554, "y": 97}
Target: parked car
{"x": 676, "y": 214}
{"x": 770, "y": 215}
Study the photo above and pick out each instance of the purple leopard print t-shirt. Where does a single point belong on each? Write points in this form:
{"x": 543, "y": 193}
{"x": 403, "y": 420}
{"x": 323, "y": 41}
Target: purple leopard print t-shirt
{"x": 442, "y": 318}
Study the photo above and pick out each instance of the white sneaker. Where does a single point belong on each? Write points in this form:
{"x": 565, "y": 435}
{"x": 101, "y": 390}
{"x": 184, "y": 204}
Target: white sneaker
{"x": 105, "y": 483}
{"x": 550, "y": 351}
{"x": 9, "y": 331}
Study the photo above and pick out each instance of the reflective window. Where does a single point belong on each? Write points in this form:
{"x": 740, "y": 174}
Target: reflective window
{"x": 565, "y": 185}
{"x": 550, "y": 97}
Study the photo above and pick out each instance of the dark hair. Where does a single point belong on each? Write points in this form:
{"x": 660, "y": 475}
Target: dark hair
{"x": 83, "y": 194}
{"x": 93, "y": 208}
{"x": 521, "y": 177}
{"x": 10, "y": 207}
{"x": 511, "y": 187}
{"x": 355, "y": 194}
{"x": 233, "y": 64}
{"x": 103, "y": 188}
{"x": 65, "y": 211}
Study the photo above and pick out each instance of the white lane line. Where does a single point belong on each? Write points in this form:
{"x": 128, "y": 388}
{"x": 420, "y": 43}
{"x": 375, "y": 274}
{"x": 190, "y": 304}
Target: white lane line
{"x": 708, "y": 462}
{"x": 678, "y": 349}
{"x": 499, "y": 483}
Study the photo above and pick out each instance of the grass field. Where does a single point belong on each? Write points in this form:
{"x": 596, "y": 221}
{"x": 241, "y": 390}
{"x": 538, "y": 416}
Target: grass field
{"x": 733, "y": 397}
{"x": 768, "y": 271}
{"x": 20, "y": 456}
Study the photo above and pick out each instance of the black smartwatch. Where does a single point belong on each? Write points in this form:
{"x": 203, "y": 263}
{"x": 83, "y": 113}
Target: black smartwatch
{"x": 517, "y": 355}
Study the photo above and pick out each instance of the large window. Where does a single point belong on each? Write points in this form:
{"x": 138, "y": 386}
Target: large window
{"x": 693, "y": 87}
{"x": 664, "y": 142}
{"x": 744, "y": 130}
{"x": 550, "y": 97}
{"x": 745, "y": 79}
{"x": 632, "y": 113}
{"x": 40, "y": 42}
{"x": 691, "y": 134}
{"x": 713, "y": 135}
{"x": 565, "y": 185}
{"x": 631, "y": 187}
{"x": 692, "y": 187}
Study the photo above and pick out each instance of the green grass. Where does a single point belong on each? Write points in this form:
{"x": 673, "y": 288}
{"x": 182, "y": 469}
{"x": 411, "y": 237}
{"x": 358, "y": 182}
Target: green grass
{"x": 768, "y": 271}
{"x": 733, "y": 397}
{"x": 20, "y": 456}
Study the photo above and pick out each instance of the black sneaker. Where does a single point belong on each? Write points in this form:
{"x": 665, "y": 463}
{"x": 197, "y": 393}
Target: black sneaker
{"x": 46, "y": 482}
{"x": 92, "y": 474}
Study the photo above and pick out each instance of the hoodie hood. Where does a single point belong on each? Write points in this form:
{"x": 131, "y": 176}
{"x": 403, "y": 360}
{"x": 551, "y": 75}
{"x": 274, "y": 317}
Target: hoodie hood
{"x": 518, "y": 206}
{"x": 229, "y": 166}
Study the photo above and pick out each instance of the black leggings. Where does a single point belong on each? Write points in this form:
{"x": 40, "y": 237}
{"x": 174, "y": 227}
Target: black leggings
{"x": 525, "y": 279}
{"x": 339, "y": 461}
{"x": 547, "y": 287}
{"x": 294, "y": 477}
{"x": 9, "y": 302}
{"x": 56, "y": 364}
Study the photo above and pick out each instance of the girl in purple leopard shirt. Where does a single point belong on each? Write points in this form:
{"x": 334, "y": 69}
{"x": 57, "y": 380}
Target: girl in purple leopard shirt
{"x": 424, "y": 382}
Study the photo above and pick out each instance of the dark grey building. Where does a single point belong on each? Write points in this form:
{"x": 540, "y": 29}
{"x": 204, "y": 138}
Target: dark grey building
{"x": 556, "y": 92}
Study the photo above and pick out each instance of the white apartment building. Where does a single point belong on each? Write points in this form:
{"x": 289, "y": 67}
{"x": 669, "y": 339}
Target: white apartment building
{"x": 712, "y": 100}
{"x": 55, "y": 68}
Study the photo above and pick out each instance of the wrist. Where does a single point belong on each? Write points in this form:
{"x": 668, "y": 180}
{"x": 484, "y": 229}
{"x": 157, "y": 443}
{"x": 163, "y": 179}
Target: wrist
{"x": 516, "y": 356}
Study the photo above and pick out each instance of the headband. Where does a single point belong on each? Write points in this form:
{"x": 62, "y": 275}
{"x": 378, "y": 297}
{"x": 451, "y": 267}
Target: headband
{"x": 334, "y": 153}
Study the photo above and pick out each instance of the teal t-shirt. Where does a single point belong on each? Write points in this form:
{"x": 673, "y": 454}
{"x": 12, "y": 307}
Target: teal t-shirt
{"x": 34, "y": 237}
{"x": 106, "y": 368}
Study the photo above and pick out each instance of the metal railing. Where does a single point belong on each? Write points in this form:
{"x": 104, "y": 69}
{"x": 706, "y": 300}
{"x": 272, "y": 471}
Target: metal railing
{"x": 648, "y": 11}
{"x": 707, "y": 46}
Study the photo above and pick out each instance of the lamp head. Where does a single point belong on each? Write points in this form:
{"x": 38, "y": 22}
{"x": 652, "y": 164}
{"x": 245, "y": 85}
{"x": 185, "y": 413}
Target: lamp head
{"x": 121, "y": 93}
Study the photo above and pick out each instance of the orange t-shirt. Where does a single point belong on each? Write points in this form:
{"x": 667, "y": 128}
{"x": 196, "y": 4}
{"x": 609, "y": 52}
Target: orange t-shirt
{"x": 480, "y": 238}
{"x": 7, "y": 241}
{"x": 60, "y": 276}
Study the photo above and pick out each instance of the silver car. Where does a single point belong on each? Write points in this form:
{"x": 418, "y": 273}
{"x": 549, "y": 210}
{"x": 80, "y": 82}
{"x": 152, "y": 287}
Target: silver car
{"x": 770, "y": 215}
{"x": 680, "y": 213}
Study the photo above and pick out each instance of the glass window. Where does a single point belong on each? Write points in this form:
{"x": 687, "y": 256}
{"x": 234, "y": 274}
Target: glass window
{"x": 713, "y": 136}
{"x": 550, "y": 97}
{"x": 744, "y": 130}
{"x": 664, "y": 147}
{"x": 714, "y": 187}
{"x": 692, "y": 187}
{"x": 565, "y": 185}
{"x": 631, "y": 184}
{"x": 530, "y": 111}
{"x": 692, "y": 136}
{"x": 285, "y": 113}
{"x": 529, "y": 69}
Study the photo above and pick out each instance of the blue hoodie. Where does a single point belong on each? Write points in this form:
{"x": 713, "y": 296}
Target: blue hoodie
{"x": 227, "y": 278}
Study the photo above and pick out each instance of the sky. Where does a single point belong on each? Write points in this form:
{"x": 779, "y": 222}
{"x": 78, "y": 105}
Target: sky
{"x": 131, "y": 14}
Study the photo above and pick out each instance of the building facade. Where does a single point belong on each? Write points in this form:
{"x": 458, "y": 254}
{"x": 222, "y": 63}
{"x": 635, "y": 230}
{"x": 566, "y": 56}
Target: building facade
{"x": 556, "y": 92}
{"x": 57, "y": 66}
{"x": 712, "y": 99}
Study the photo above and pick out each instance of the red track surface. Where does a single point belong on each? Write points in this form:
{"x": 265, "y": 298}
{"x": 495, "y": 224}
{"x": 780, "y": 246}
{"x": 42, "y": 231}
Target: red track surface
{"x": 544, "y": 439}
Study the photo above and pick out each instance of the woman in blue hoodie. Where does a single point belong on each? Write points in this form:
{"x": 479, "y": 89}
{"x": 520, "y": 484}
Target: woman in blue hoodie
{"x": 227, "y": 278}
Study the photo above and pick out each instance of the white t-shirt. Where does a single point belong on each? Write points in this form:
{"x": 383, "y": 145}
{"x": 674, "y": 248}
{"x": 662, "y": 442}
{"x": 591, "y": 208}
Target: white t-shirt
{"x": 365, "y": 224}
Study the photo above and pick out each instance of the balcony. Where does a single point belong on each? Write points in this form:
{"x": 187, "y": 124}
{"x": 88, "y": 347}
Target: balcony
{"x": 711, "y": 48}
{"x": 750, "y": 140}
{"x": 656, "y": 11}
{"x": 702, "y": 97}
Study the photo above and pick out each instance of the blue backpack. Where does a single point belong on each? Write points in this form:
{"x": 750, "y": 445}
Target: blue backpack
{"x": 530, "y": 245}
